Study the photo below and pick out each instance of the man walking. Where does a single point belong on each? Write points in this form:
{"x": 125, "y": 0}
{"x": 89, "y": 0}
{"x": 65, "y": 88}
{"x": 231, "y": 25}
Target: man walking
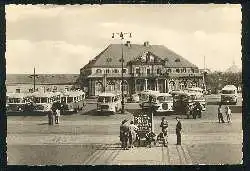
{"x": 220, "y": 116}
{"x": 124, "y": 134}
{"x": 178, "y": 130}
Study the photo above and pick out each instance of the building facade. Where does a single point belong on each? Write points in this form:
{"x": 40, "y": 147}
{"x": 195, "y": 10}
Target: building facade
{"x": 24, "y": 83}
{"x": 146, "y": 67}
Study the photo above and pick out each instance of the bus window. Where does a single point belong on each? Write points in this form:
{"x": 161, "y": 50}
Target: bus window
{"x": 228, "y": 92}
{"x": 36, "y": 100}
{"x": 69, "y": 99}
{"x": 104, "y": 99}
{"x": 44, "y": 100}
{"x": 63, "y": 99}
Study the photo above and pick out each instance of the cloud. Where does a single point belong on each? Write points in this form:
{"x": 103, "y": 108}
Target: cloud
{"x": 47, "y": 56}
{"x": 66, "y": 34}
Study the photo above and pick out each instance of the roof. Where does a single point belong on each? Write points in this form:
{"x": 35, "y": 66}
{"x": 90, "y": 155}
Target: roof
{"x": 107, "y": 94}
{"x": 229, "y": 87}
{"x": 111, "y": 56}
{"x": 161, "y": 94}
{"x": 43, "y": 79}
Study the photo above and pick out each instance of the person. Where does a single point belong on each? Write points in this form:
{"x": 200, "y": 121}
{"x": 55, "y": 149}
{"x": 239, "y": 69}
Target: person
{"x": 228, "y": 114}
{"x": 124, "y": 134}
{"x": 132, "y": 133}
{"x": 197, "y": 110}
{"x": 164, "y": 130}
{"x": 150, "y": 137}
{"x": 58, "y": 113}
{"x": 178, "y": 130}
{"x": 220, "y": 116}
{"x": 50, "y": 117}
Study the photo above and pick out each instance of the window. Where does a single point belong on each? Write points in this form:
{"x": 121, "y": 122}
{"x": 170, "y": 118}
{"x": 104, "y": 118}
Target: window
{"x": 124, "y": 70}
{"x": 98, "y": 71}
{"x": 137, "y": 70}
{"x": 18, "y": 90}
{"x": 115, "y": 70}
{"x": 158, "y": 71}
{"x": 192, "y": 70}
{"x": 107, "y": 71}
{"x": 177, "y": 70}
{"x": 148, "y": 71}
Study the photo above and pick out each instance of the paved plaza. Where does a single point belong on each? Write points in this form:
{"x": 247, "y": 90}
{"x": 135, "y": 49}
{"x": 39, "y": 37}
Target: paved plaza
{"x": 85, "y": 138}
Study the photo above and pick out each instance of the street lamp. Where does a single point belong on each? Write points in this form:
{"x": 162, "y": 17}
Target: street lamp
{"x": 34, "y": 76}
{"x": 121, "y": 35}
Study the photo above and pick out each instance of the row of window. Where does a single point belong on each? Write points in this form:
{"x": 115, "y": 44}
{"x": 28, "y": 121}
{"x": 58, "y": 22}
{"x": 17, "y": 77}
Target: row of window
{"x": 18, "y": 90}
{"x": 159, "y": 71}
{"x": 108, "y": 71}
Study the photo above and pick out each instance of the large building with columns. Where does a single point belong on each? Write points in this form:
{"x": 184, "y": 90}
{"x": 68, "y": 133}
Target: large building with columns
{"x": 146, "y": 67}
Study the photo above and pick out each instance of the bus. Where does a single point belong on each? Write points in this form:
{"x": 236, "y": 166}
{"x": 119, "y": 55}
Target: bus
{"x": 109, "y": 103}
{"x": 15, "y": 102}
{"x": 162, "y": 102}
{"x": 229, "y": 94}
{"x": 145, "y": 98}
{"x": 182, "y": 102}
{"x": 199, "y": 97}
{"x": 72, "y": 101}
{"x": 43, "y": 101}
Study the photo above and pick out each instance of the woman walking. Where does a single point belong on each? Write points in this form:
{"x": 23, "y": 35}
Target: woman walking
{"x": 132, "y": 134}
{"x": 58, "y": 113}
{"x": 228, "y": 114}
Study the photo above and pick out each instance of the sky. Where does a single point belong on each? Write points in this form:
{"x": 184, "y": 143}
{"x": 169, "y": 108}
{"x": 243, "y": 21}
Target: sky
{"x": 62, "y": 39}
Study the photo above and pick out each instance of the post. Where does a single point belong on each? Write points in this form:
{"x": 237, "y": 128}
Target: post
{"x": 34, "y": 78}
{"x": 122, "y": 83}
{"x": 121, "y": 35}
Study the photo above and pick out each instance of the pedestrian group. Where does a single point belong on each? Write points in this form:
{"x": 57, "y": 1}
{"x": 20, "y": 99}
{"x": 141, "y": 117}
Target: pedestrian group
{"x": 227, "y": 112}
{"x": 129, "y": 134}
{"x": 54, "y": 116}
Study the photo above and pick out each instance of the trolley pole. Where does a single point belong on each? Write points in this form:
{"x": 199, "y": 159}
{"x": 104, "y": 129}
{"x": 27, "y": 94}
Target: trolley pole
{"x": 34, "y": 76}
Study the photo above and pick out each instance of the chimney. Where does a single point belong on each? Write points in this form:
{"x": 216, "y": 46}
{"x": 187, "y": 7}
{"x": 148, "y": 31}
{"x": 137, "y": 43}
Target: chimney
{"x": 128, "y": 43}
{"x": 146, "y": 44}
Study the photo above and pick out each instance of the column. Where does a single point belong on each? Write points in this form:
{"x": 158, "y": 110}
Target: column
{"x": 135, "y": 80}
{"x": 165, "y": 86}
{"x": 89, "y": 89}
{"x": 157, "y": 85}
{"x": 146, "y": 84}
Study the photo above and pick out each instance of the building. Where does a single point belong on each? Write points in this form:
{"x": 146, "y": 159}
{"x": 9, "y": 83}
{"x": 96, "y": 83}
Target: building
{"x": 146, "y": 67}
{"x": 24, "y": 83}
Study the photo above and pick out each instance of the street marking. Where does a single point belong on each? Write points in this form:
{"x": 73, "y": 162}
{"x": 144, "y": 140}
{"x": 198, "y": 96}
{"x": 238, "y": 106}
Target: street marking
{"x": 173, "y": 155}
{"x": 93, "y": 156}
{"x": 186, "y": 155}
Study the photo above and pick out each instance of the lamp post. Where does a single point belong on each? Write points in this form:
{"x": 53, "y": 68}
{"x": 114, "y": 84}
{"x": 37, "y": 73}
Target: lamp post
{"x": 34, "y": 76}
{"x": 121, "y": 35}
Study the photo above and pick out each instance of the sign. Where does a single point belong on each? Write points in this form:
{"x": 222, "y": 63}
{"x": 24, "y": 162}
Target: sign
{"x": 144, "y": 121}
